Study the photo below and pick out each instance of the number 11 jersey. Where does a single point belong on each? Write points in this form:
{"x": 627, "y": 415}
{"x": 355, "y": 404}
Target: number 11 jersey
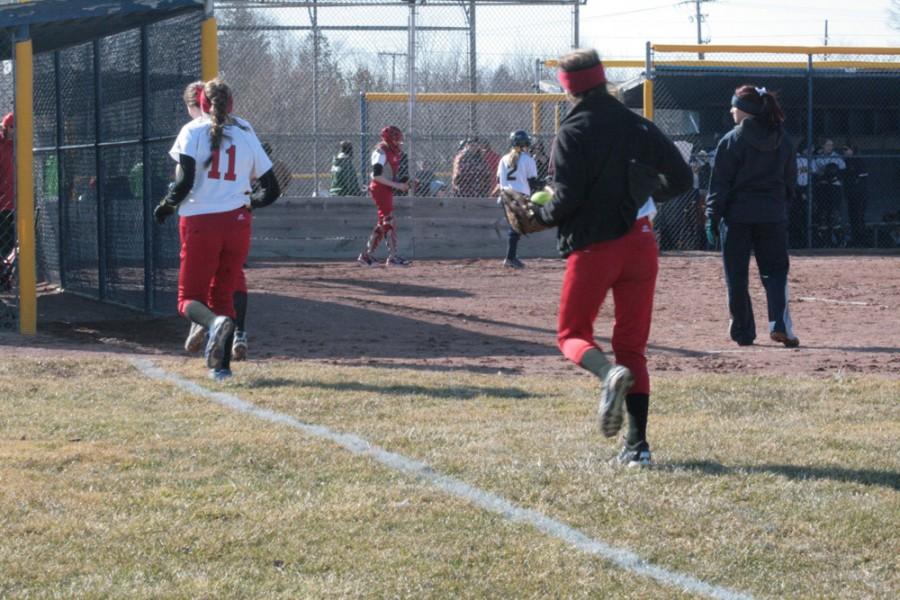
{"x": 222, "y": 185}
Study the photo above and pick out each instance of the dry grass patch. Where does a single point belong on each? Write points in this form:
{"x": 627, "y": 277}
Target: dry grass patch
{"x": 782, "y": 488}
{"x": 114, "y": 485}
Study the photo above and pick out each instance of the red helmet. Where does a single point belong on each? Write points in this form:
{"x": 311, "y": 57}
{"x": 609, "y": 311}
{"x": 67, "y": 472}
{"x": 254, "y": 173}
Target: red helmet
{"x": 8, "y": 120}
{"x": 392, "y": 135}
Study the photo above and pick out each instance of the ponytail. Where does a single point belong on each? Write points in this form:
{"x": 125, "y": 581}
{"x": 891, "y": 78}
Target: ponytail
{"x": 760, "y": 103}
{"x": 513, "y": 156}
{"x": 217, "y": 98}
{"x": 772, "y": 114}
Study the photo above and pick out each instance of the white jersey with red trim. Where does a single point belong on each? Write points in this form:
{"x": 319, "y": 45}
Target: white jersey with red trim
{"x": 223, "y": 184}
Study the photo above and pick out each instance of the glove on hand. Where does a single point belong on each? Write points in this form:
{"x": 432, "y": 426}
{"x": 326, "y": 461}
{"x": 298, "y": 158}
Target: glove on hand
{"x": 520, "y": 212}
{"x": 165, "y": 208}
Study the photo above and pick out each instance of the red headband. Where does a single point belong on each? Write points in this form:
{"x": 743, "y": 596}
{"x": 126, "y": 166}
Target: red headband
{"x": 577, "y": 82}
{"x": 206, "y": 105}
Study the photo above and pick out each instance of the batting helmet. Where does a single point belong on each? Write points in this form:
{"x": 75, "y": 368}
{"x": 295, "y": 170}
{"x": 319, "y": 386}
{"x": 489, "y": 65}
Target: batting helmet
{"x": 519, "y": 139}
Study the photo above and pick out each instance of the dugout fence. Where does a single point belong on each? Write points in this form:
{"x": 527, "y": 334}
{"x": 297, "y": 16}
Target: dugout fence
{"x": 96, "y": 91}
{"x": 843, "y": 113}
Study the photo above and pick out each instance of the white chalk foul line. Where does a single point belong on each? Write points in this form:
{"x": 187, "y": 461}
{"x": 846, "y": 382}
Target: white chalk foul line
{"x": 625, "y": 559}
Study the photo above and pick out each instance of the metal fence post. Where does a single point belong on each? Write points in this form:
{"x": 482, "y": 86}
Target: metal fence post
{"x": 363, "y": 142}
{"x": 62, "y": 203}
{"x": 149, "y": 283}
{"x": 99, "y": 172}
{"x": 576, "y": 25}
{"x": 809, "y": 147}
{"x": 648, "y": 83}
{"x": 314, "y": 18}
{"x": 411, "y": 84}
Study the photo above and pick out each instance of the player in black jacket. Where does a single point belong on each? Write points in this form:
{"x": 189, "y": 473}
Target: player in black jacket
{"x": 752, "y": 184}
{"x": 607, "y": 163}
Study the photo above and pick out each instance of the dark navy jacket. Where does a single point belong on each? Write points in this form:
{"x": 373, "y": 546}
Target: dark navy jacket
{"x": 754, "y": 175}
{"x": 597, "y": 144}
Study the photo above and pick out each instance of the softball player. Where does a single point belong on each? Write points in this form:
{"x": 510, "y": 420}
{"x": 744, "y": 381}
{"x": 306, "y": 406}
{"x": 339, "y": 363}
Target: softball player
{"x": 217, "y": 157}
{"x": 607, "y": 161}
{"x": 517, "y": 170}
{"x": 386, "y": 178}
{"x": 197, "y": 334}
{"x": 753, "y": 180}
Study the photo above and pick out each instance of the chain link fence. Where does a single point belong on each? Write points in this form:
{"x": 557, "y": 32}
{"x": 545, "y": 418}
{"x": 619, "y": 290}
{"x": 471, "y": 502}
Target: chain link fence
{"x": 842, "y": 113}
{"x": 308, "y": 77}
{"x": 103, "y": 110}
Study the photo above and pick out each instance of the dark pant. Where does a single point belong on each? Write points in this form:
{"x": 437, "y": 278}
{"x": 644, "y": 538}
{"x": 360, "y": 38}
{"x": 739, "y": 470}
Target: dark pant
{"x": 768, "y": 242}
{"x": 512, "y": 244}
{"x": 856, "y": 212}
{"x": 798, "y": 220}
{"x": 7, "y": 232}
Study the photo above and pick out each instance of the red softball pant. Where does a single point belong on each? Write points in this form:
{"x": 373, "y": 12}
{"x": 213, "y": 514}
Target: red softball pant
{"x": 384, "y": 200}
{"x": 628, "y": 265}
{"x": 214, "y": 248}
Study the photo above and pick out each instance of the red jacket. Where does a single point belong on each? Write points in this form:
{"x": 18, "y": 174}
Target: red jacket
{"x": 7, "y": 176}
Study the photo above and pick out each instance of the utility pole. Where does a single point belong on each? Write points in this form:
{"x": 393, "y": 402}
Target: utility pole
{"x": 699, "y": 18}
{"x": 394, "y": 56}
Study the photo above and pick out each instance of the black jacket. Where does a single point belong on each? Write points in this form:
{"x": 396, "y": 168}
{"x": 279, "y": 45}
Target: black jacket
{"x": 754, "y": 175}
{"x": 594, "y": 198}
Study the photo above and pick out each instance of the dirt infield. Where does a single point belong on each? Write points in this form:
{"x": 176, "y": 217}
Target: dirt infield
{"x": 474, "y": 315}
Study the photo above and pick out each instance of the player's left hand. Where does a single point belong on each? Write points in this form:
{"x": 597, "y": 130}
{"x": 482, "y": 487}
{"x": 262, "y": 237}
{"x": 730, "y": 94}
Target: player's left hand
{"x": 162, "y": 211}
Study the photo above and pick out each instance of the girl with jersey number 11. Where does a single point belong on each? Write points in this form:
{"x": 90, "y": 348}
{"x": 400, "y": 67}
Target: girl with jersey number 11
{"x": 218, "y": 157}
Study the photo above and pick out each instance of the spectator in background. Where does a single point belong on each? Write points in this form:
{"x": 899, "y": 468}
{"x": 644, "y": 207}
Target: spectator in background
{"x": 469, "y": 171}
{"x": 855, "y": 193}
{"x": 491, "y": 162}
{"x": 541, "y": 160}
{"x": 343, "y": 175}
{"x": 7, "y": 187}
{"x": 702, "y": 172}
{"x": 797, "y": 213}
{"x": 829, "y": 194}
{"x": 427, "y": 183}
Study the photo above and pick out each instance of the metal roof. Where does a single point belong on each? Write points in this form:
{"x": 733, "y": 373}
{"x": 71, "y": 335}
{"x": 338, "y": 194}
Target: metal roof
{"x": 56, "y": 24}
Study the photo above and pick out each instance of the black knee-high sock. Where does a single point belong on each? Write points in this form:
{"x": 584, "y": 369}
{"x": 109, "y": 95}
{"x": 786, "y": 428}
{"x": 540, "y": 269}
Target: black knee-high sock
{"x": 637, "y": 405}
{"x": 226, "y": 360}
{"x": 199, "y": 313}
{"x": 240, "y": 308}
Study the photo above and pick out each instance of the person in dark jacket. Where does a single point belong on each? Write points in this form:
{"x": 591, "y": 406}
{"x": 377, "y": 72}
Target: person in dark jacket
{"x": 343, "y": 174}
{"x": 856, "y": 176}
{"x": 753, "y": 181}
{"x": 607, "y": 161}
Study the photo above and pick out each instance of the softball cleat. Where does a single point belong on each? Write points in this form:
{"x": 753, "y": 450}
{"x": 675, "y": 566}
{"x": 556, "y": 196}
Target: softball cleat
{"x": 221, "y": 328}
{"x": 612, "y": 399}
{"x": 239, "y": 347}
{"x": 195, "y": 339}
{"x": 219, "y": 374}
{"x": 782, "y": 338}
{"x": 634, "y": 456}
{"x": 397, "y": 261}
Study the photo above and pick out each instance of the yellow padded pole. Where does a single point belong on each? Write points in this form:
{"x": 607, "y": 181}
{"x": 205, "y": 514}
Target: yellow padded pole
{"x": 648, "y": 99}
{"x": 24, "y": 153}
{"x": 209, "y": 49}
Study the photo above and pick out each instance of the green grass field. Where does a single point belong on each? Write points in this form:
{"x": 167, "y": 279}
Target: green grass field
{"x": 113, "y": 484}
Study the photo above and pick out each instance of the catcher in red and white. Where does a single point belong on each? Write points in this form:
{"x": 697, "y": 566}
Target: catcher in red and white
{"x": 387, "y": 176}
